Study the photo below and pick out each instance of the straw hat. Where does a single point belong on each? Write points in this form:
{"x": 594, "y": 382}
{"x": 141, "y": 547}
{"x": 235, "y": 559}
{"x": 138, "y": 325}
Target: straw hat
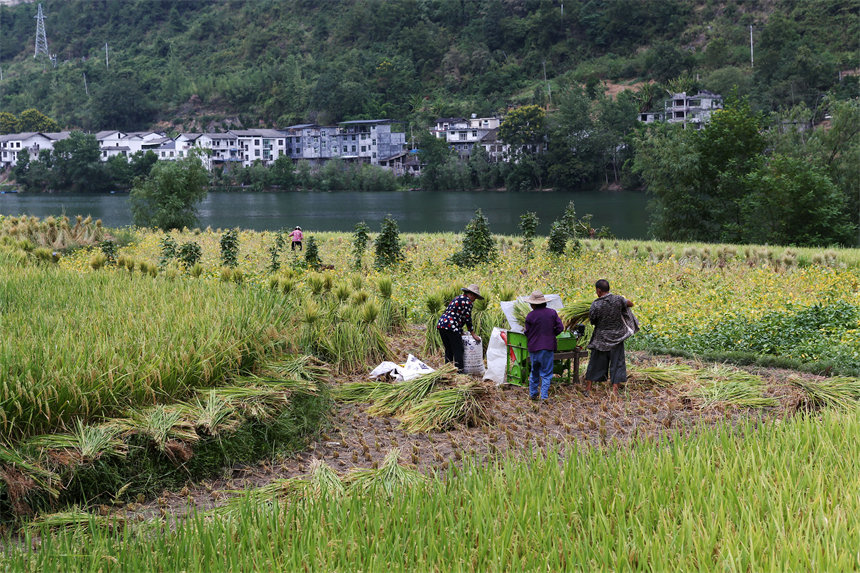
{"x": 474, "y": 289}
{"x": 536, "y": 297}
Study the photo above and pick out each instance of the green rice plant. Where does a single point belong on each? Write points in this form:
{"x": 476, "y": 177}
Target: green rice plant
{"x": 356, "y": 281}
{"x": 663, "y": 374}
{"x": 226, "y": 274}
{"x": 359, "y": 297}
{"x": 840, "y": 392}
{"x": 286, "y": 285}
{"x": 327, "y": 282}
{"x": 196, "y": 270}
{"x": 385, "y": 286}
{"x": 434, "y": 304}
{"x": 342, "y": 292}
{"x": 390, "y": 478}
{"x": 369, "y": 312}
{"x": 444, "y": 408}
{"x": 403, "y": 395}
{"x": 350, "y": 347}
{"x": 315, "y": 283}
{"x": 98, "y": 261}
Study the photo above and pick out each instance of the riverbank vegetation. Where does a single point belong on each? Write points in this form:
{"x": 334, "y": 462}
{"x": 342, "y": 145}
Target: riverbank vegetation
{"x": 146, "y": 372}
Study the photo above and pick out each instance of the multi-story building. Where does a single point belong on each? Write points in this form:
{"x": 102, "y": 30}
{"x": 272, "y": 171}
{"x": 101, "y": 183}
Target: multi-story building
{"x": 32, "y": 141}
{"x": 692, "y": 110}
{"x": 464, "y": 134}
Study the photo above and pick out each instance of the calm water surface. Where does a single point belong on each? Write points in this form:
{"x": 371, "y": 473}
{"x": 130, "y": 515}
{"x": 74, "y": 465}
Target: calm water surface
{"x": 416, "y": 211}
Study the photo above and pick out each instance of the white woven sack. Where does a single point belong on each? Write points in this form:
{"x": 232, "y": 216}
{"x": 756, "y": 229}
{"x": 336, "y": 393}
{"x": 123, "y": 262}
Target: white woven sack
{"x": 473, "y": 356}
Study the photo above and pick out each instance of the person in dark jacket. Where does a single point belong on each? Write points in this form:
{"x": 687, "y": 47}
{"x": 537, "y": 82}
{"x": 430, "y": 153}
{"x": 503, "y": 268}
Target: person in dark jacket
{"x": 613, "y": 324}
{"x": 542, "y": 326}
{"x": 451, "y": 323}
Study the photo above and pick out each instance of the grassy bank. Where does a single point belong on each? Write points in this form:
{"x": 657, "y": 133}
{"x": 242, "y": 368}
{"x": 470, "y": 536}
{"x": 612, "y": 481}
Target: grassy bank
{"x": 778, "y": 496}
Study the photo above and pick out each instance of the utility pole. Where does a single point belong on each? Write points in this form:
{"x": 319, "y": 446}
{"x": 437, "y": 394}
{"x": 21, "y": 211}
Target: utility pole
{"x": 548, "y": 87}
{"x": 107, "y": 61}
{"x": 752, "y": 62}
{"x": 41, "y": 38}
{"x": 86, "y": 89}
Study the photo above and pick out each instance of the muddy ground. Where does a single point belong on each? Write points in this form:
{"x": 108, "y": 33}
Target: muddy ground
{"x": 514, "y": 424}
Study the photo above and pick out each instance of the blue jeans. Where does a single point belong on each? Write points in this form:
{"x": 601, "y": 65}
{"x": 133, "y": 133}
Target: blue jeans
{"x": 541, "y": 369}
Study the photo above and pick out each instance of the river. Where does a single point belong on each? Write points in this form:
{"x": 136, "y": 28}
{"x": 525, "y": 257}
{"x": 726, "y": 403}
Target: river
{"x": 415, "y": 211}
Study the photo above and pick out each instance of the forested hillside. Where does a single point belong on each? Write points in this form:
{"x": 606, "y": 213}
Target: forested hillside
{"x": 207, "y": 64}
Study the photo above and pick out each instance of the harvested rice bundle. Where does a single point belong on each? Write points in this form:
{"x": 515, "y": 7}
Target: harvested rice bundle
{"x": 322, "y": 480}
{"x": 521, "y": 311}
{"x": 404, "y": 394}
{"x": 352, "y": 392}
{"x": 390, "y": 476}
{"x": 575, "y": 313}
{"x": 663, "y": 374}
{"x": 721, "y": 385}
{"x": 76, "y": 518}
{"x": 444, "y": 408}
{"x": 842, "y": 392}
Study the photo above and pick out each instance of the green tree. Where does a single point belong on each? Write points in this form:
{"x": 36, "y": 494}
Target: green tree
{"x": 434, "y": 154}
{"x": 360, "y": 239}
{"x": 8, "y": 123}
{"x": 528, "y": 227}
{"x": 77, "y": 164}
{"x": 389, "y": 250}
{"x": 167, "y": 198}
{"x": 794, "y": 202}
{"x": 35, "y": 120}
{"x": 479, "y": 246}
{"x": 524, "y": 129}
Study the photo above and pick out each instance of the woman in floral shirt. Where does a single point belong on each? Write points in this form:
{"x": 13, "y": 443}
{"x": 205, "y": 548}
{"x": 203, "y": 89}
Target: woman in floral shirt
{"x": 451, "y": 323}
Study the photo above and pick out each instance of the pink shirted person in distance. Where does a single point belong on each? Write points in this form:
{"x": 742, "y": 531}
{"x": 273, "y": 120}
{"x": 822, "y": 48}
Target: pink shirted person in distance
{"x": 296, "y": 238}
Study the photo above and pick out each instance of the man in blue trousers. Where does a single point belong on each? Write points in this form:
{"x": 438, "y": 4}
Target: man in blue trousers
{"x": 542, "y": 326}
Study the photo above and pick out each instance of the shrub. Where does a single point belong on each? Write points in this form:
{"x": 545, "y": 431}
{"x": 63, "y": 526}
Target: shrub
{"x": 312, "y": 257}
{"x": 478, "y": 243}
{"x": 230, "y": 248}
{"x": 189, "y": 254}
{"x": 389, "y": 249}
{"x": 557, "y": 238}
{"x": 528, "y": 227}
{"x": 360, "y": 238}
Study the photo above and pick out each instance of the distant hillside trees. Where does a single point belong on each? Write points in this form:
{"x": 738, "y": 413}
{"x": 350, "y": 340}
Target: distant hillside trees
{"x": 736, "y": 181}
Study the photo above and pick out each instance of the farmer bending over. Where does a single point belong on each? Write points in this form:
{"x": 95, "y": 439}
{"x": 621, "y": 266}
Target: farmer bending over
{"x": 296, "y": 237}
{"x": 613, "y": 324}
{"x": 450, "y": 325}
{"x": 542, "y": 326}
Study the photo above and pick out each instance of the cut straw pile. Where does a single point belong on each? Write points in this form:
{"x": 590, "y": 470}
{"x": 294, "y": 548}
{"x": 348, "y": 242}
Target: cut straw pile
{"x": 842, "y": 392}
{"x": 419, "y": 403}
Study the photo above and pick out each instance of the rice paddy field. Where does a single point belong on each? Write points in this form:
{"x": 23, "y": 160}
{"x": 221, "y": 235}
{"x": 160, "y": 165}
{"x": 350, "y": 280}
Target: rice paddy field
{"x": 157, "y": 415}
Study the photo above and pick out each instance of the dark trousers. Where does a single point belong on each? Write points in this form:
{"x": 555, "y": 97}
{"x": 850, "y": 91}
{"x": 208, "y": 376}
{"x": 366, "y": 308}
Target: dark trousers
{"x": 294, "y": 244}
{"x": 453, "y": 343}
{"x": 611, "y": 362}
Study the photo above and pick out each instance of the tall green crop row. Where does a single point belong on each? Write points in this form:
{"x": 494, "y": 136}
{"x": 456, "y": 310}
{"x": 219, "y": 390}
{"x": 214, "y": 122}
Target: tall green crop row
{"x": 82, "y": 346}
{"x": 780, "y": 496}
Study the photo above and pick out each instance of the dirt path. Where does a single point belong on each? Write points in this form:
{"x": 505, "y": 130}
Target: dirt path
{"x": 353, "y": 439}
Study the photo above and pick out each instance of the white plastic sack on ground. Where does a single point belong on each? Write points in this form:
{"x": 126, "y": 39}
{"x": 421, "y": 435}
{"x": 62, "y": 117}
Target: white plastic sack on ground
{"x": 401, "y": 372}
{"x": 473, "y": 356}
{"x": 553, "y": 301}
{"x": 497, "y": 359}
